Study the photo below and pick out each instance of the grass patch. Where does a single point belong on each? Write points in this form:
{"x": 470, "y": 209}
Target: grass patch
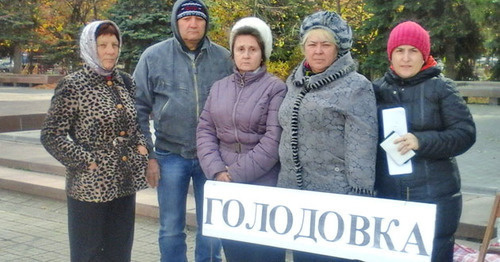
{"x": 478, "y": 100}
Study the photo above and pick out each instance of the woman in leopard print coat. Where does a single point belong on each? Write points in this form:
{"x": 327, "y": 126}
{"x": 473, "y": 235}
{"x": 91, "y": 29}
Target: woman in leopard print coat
{"x": 91, "y": 128}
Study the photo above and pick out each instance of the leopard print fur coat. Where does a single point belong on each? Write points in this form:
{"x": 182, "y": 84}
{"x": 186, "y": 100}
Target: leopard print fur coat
{"x": 93, "y": 119}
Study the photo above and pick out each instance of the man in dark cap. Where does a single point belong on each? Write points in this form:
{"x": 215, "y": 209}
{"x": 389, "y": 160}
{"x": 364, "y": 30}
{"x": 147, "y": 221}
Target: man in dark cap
{"x": 173, "y": 80}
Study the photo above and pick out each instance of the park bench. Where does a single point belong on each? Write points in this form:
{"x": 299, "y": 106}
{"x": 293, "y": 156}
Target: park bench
{"x": 489, "y": 89}
{"x": 29, "y": 80}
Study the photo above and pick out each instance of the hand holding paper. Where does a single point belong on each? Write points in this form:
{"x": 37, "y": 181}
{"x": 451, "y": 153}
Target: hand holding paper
{"x": 392, "y": 149}
{"x": 407, "y": 142}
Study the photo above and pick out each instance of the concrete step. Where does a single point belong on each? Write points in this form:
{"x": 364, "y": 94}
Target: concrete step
{"x": 28, "y": 155}
{"x": 52, "y": 186}
{"x": 476, "y": 210}
{"x": 25, "y": 166}
{"x": 21, "y": 122}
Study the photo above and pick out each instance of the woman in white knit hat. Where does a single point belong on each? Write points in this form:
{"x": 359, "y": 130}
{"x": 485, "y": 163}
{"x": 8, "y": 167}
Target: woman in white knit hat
{"x": 238, "y": 131}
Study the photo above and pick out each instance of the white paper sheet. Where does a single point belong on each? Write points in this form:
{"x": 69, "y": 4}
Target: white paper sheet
{"x": 394, "y": 119}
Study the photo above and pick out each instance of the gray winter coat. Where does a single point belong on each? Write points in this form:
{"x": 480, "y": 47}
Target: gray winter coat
{"x": 173, "y": 86}
{"x": 337, "y": 130}
{"x": 239, "y": 128}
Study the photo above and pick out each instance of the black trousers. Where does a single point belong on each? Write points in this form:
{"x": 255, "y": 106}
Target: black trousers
{"x": 236, "y": 251}
{"x": 448, "y": 212}
{"x": 101, "y": 231}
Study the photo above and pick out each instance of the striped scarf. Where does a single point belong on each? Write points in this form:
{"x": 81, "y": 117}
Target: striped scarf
{"x": 295, "y": 111}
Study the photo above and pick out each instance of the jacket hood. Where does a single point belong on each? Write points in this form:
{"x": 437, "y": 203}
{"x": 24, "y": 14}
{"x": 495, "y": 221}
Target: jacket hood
{"x": 88, "y": 47}
{"x": 175, "y": 28}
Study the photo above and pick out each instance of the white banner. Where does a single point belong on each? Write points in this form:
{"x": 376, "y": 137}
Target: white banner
{"x": 354, "y": 227}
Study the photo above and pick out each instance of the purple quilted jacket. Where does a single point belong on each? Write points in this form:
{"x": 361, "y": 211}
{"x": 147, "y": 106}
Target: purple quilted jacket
{"x": 238, "y": 129}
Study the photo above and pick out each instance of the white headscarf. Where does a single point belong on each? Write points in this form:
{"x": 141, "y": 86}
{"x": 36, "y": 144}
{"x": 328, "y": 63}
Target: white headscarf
{"x": 88, "y": 47}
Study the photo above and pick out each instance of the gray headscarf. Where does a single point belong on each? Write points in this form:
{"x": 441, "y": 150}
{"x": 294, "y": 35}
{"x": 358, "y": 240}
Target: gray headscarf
{"x": 332, "y": 22}
{"x": 88, "y": 47}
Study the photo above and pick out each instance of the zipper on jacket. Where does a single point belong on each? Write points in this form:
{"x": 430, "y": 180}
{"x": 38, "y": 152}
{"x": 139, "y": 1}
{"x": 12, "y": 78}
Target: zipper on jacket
{"x": 196, "y": 89}
{"x": 422, "y": 105}
{"x": 240, "y": 90}
{"x": 407, "y": 193}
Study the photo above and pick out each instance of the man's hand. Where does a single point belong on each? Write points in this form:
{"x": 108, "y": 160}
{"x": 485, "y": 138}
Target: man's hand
{"x": 153, "y": 173}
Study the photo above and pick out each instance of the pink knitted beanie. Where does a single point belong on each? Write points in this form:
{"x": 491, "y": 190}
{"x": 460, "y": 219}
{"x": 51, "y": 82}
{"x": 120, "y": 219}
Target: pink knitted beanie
{"x": 409, "y": 33}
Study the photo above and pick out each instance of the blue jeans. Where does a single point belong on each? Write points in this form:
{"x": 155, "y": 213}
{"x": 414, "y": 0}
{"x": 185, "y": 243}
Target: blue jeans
{"x": 176, "y": 173}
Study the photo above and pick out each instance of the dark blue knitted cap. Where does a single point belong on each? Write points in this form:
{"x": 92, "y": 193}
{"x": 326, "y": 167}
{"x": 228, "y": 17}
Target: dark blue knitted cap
{"x": 192, "y": 8}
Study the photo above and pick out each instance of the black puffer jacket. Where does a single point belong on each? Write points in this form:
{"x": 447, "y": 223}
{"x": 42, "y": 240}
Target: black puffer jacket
{"x": 438, "y": 116}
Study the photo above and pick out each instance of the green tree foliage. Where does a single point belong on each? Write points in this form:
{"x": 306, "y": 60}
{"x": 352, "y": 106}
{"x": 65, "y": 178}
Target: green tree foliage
{"x": 494, "y": 44}
{"x": 455, "y": 36}
{"x": 50, "y": 28}
{"x": 59, "y": 32}
{"x": 284, "y": 17}
{"x": 57, "y": 28}
{"x": 374, "y": 33}
{"x": 486, "y": 13}
{"x": 143, "y": 23}
{"x": 18, "y": 22}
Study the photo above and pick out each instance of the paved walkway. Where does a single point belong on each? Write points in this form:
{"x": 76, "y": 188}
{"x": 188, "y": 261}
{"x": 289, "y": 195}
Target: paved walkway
{"x": 479, "y": 167}
{"x": 34, "y": 228}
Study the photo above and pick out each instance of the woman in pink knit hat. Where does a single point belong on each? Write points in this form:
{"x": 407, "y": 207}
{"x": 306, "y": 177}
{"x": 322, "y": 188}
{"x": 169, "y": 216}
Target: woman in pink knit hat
{"x": 440, "y": 127}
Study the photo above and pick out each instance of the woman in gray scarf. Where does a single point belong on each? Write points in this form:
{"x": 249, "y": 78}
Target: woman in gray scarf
{"x": 329, "y": 118}
{"x": 91, "y": 128}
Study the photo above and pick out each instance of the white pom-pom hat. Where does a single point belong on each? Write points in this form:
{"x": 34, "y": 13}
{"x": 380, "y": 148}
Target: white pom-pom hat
{"x": 261, "y": 27}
